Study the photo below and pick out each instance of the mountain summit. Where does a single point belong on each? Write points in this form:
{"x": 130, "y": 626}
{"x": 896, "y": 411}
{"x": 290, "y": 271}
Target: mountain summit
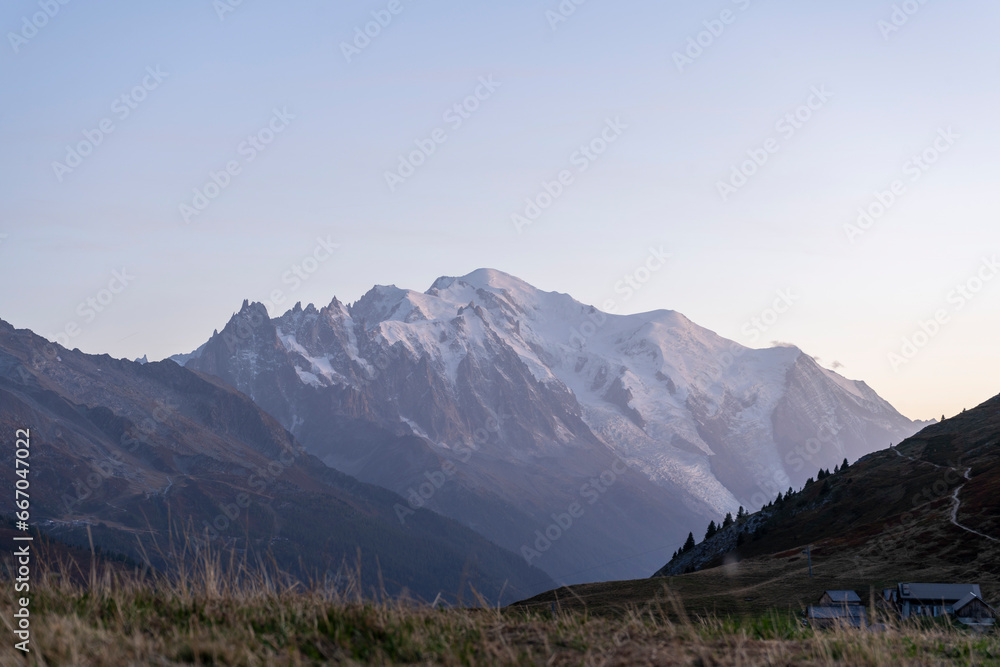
{"x": 506, "y": 407}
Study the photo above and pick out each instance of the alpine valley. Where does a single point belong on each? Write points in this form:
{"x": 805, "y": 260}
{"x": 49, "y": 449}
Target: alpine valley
{"x": 587, "y": 442}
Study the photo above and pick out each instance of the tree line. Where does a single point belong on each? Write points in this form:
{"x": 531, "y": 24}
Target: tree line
{"x": 742, "y": 515}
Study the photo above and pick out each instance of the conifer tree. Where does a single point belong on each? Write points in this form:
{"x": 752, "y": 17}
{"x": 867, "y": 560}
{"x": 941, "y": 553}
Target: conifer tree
{"x": 712, "y": 530}
{"x": 728, "y": 521}
{"x": 688, "y": 544}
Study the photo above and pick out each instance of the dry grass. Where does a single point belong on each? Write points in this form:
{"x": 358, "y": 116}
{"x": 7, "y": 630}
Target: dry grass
{"x": 113, "y": 616}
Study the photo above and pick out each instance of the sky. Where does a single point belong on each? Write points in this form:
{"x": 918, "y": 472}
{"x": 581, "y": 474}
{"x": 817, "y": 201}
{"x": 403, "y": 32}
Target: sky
{"x": 835, "y": 162}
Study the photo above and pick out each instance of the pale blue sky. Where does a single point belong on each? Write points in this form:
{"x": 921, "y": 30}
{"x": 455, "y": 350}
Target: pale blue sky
{"x": 656, "y": 185}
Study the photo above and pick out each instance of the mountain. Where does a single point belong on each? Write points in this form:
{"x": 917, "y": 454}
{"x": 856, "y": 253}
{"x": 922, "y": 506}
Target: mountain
{"x": 924, "y": 510}
{"x": 506, "y": 407}
{"x": 149, "y": 457}
{"x": 929, "y": 500}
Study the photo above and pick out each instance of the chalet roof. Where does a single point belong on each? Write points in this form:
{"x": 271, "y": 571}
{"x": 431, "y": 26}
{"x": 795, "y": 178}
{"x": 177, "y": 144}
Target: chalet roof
{"x": 969, "y": 598}
{"x": 937, "y": 592}
{"x": 844, "y": 597}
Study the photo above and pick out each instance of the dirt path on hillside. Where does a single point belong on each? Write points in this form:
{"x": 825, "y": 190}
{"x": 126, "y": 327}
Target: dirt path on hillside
{"x": 899, "y": 453}
{"x": 958, "y": 503}
{"x": 954, "y": 496}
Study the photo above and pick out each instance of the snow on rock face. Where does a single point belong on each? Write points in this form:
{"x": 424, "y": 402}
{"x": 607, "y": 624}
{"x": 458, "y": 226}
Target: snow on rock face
{"x": 542, "y": 387}
{"x": 682, "y": 403}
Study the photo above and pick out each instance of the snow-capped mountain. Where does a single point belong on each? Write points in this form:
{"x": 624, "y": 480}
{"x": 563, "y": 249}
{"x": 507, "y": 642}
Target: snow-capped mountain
{"x": 591, "y": 443}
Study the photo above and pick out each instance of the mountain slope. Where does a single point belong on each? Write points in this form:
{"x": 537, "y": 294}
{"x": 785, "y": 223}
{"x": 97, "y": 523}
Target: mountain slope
{"x": 931, "y": 499}
{"x": 146, "y": 454}
{"x": 925, "y": 510}
{"x": 530, "y": 397}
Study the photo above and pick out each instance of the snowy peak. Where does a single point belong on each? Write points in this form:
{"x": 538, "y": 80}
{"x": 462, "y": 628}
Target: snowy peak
{"x": 500, "y": 293}
{"x": 336, "y": 306}
{"x": 544, "y": 388}
{"x": 487, "y": 279}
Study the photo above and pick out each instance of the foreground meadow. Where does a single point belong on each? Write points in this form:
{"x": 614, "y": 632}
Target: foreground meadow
{"x": 116, "y": 616}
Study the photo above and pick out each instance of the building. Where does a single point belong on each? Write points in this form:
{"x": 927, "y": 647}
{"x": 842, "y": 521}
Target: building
{"x": 934, "y": 600}
{"x": 964, "y": 602}
{"x": 838, "y": 598}
{"x": 837, "y": 608}
{"x": 973, "y": 610}
{"x": 844, "y": 615}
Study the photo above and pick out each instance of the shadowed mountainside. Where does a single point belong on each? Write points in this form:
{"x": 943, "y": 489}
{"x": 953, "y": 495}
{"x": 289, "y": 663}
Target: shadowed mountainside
{"x": 152, "y": 457}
